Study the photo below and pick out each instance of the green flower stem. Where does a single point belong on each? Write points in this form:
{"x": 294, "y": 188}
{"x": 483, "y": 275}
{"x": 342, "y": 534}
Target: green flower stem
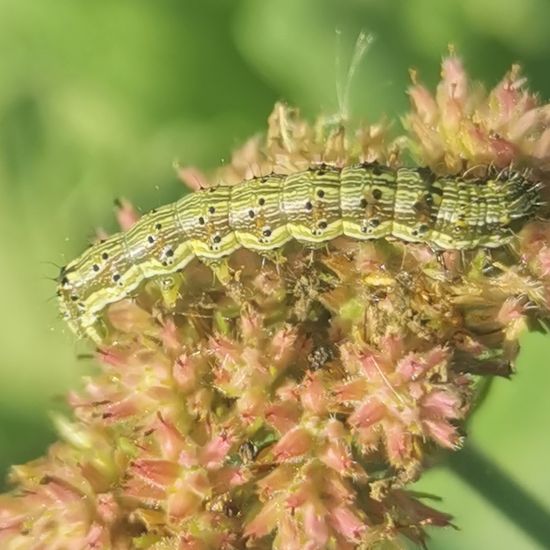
{"x": 481, "y": 473}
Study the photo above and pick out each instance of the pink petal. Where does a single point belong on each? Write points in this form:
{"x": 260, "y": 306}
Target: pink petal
{"x": 215, "y": 451}
{"x": 398, "y": 443}
{"x": 443, "y": 432}
{"x": 126, "y": 214}
{"x": 441, "y": 404}
{"x": 347, "y": 523}
{"x": 315, "y": 526}
{"x": 192, "y": 177}
{"x": 265, "y": 521}
{"x": 294, "y": 443}
{"x": 367, "y": 414}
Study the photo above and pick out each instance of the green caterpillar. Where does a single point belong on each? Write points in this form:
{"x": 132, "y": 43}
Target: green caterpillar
{"x": 362, "y": 201}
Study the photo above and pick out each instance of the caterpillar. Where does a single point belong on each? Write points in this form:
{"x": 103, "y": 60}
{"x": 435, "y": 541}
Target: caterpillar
{"x": 361, "y": 201}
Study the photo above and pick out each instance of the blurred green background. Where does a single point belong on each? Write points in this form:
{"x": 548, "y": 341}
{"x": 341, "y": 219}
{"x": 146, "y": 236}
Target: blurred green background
{"x": 97, "y": 99}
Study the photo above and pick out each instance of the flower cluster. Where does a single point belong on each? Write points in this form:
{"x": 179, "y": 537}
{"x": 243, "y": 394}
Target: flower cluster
{"x": 288, "y": 403}
{"x": 462, "y": 126}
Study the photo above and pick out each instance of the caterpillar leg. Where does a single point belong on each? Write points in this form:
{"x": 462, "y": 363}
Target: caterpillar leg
{"x": 169, "y": 288}
{"x": 220, "y": 269}
{"x": 276, "y": 256}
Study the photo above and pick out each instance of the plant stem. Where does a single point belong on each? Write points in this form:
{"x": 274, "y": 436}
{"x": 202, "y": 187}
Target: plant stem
{"x": 481, "y": 473}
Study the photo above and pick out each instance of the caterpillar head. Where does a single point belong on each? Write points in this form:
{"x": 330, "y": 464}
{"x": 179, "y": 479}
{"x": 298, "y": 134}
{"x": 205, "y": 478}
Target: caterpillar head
{"x": 71, "y": 304}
